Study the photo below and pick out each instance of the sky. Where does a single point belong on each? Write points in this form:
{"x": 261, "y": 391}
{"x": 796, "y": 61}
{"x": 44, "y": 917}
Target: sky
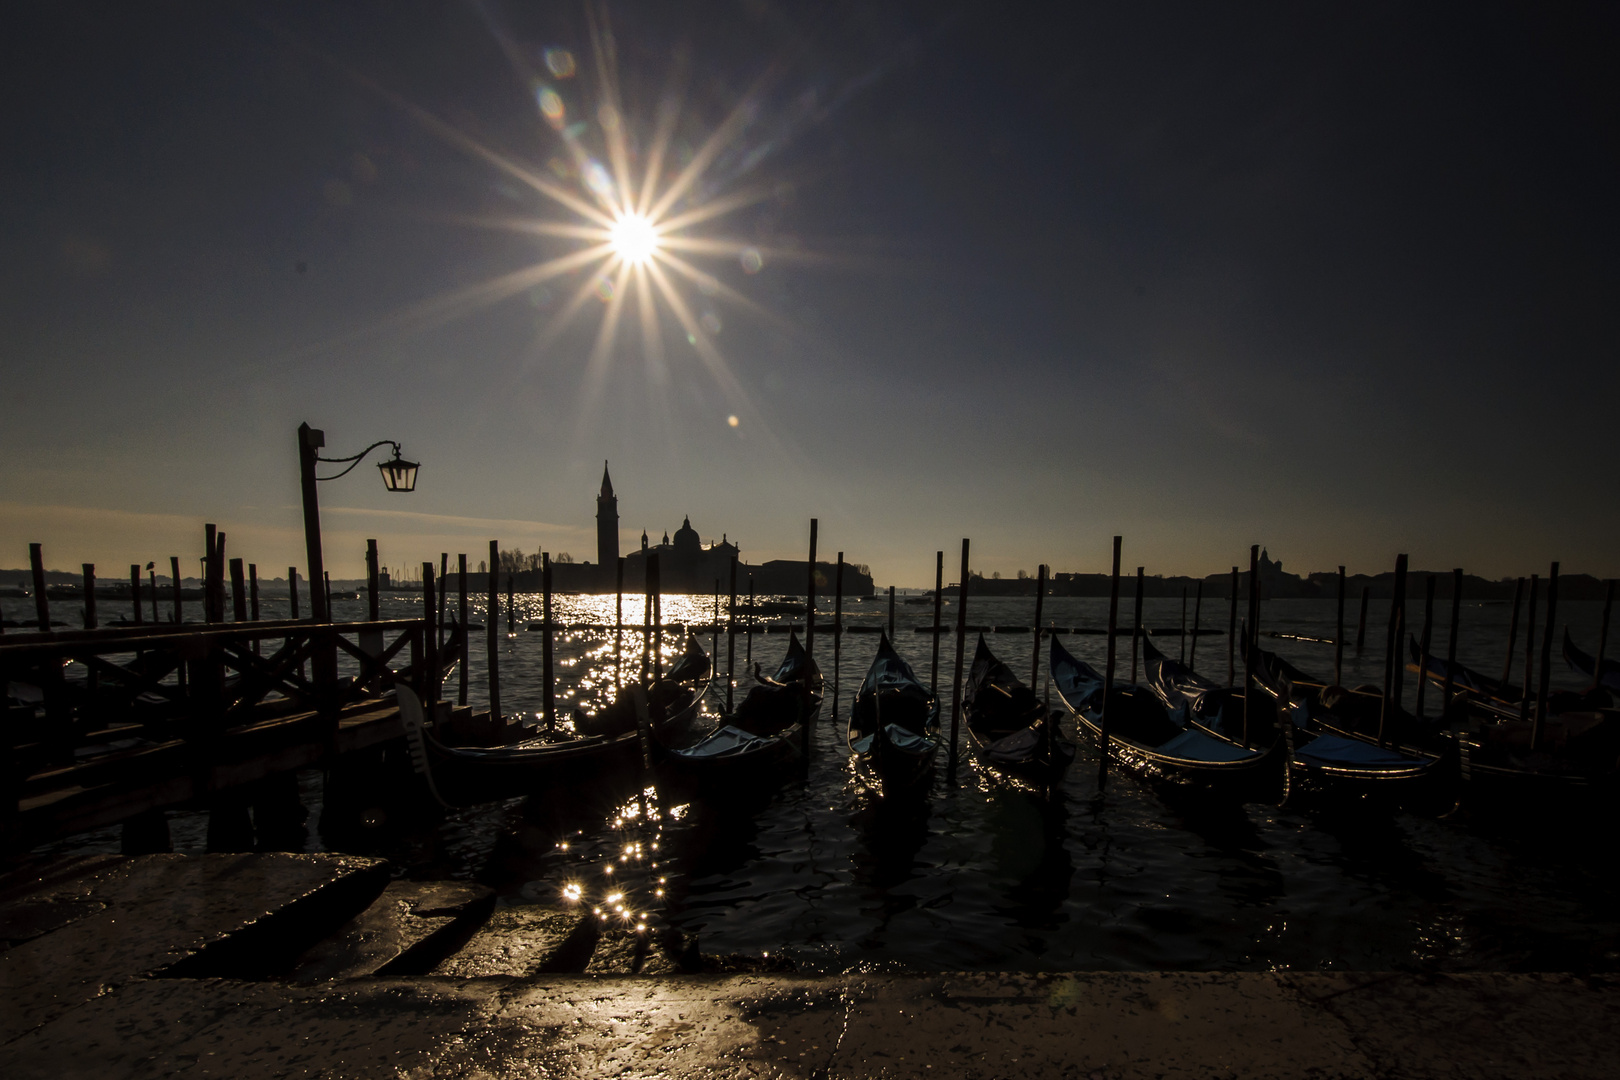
{"x": 1336, "y": 279}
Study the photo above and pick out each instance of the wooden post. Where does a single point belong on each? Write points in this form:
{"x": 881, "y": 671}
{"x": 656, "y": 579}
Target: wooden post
{"x": 809, "y": 637}
{"x": 748, "y": 640}
{"x": 714, "y": 634}
{"x": 1251, "y": 639}
{"x": 1392, "y": 652}
{"x": 810, "y": 593}
{"x": 1451, "y": 650}
{"x": 838, "y": 627}
{"x": 1231, "y": 634}
{"x": 1513, "y": 634}
{"x": 174, "y": 574}
{"x": 216, "y": 577}
{"x": 238, "y": 591}
{"x": 1603, "y": 636}
{"x": 1040, "y": 604}
{"x": 1136, "y": 623}
{"x": 646, "y": 615}
{"x": 731, "y": 637}
{"x": 1529, "y": 648}
{"x": 253, "y": 591}
{"x": 618, "y": 629}
{"x": 1540, "y": 719}
{"x": 134, "y": 593}
{"x": 463, "y": 610}
{"x": 511, "y": 608}
{"x": 326, "y": 587}
{"x": 1338, "y": 637}
{"x": 492, "y": 632}
{"x": 1361, "y": 623}
{"x": 1423, "y": 644}
{"x": 1183, "y": 657}
{"x": 657, "y": 573}
{"x": 547, "y": 677}
{"x": 89, "y": 596}
{"x": 292, "y": 590}
{"x": 430, "y": 644}
{"x": 939, "y": 600}
{"x": 151, "y": 580}
{"x": 961, "y": 646}
{"x": 1198, "y": 611}
{"x": 374, "y": 582}
{"x": 891, "y": 612}
{"x": 444, "y": 593}
{"x": 1108, "y": 668}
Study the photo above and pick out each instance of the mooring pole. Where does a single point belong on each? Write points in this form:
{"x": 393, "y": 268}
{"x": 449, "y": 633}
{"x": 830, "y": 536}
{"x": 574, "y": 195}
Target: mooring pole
{"x": 1338, "y": 637}
{"x": 462, "y": 610}
{"x": 1513, "y": 635}
{"x": 1446, "y": 711}
{"x": 748, "y": 629}
{"x": 731, "y": 637}
{"x": 1250, "y": 640}
{"x": 238, "y": 590}
{"x": 430, "y": 647}
{"x": 939, "y": 599}
{"x": 134, "y": 595}
{"x": 618, "y": 628}
{"x": 809, "y": 642}
{"x": 151, "y": 581}
{"x": 838, "y": 627}
{"x": 1603, "y": 636}
{"x": 89, "y": 599}
{"x": 1361, "y": 622}
{"x": 292, "y": 594}
{"x": 1423, "y": 645}
{"x": 1040, "y": 604}
{"x": 253, "y": 591}
{"x": 1183, "y": 657}
{"x": 961, "y": 646}
{"x": 714, "y": 632}
{"x": 174, "y": 573}
{"x": 547, "y": 676}
{"x": 511, "y": 606}
{"x": 492, "y": 630}
{"x": 891, "y": 613}
{"x": 1136, "y": 623}
{"x": 1108, "y": 670}
{"x": 444, "y": 593}
{"x": 657, "y": 571}
{"x": 1540, "y": 720}
{"x": 1231, "y": 634}
{"x": 373, "y": 582}
{"x": 1529, "y": 648}
{"x": 1198, "y": 611}
{"x": 1392, "y": 652}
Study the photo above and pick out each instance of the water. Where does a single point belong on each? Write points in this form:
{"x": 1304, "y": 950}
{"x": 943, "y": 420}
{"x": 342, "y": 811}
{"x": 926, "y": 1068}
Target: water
{"x": 982, "y": 875}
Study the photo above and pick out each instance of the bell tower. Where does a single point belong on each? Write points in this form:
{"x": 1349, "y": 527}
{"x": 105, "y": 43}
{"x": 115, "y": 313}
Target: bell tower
{"x": 607, "y": 524}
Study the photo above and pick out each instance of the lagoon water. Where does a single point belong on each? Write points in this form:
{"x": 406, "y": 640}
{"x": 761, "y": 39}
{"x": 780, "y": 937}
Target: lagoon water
{"x": 978, "y": 874}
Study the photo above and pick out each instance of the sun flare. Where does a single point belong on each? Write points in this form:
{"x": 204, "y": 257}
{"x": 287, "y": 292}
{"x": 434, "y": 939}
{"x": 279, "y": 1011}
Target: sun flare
{"x": 634, "y": 238}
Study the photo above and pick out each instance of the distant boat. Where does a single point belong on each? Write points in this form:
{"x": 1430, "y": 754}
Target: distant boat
{"x": 1009, "y": 729}
{"x": 894, "y": 722}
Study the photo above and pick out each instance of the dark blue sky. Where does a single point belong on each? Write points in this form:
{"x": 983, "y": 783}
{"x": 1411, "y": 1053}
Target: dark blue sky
{"x": 1335, "y": 279}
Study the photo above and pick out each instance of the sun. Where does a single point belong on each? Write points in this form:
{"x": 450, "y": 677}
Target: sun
{"x": 634, "y": 238}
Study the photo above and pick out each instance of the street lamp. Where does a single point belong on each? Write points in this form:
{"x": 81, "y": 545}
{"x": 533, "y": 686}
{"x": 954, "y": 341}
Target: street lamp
{"x": 397, "y": 475}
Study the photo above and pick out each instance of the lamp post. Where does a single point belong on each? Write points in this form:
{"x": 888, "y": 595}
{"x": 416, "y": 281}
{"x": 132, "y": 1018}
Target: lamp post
{"x": 397, "y": 475}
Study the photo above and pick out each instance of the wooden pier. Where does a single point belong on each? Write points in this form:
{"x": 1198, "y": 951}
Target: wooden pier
{"x": 119, "y": 724}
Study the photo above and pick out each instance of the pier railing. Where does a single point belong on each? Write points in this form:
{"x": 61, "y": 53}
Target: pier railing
{"x": 73, "y": 696}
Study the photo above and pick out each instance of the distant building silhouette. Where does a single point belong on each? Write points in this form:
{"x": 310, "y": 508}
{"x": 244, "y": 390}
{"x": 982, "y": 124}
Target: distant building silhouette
{"x": 607, "y": 525}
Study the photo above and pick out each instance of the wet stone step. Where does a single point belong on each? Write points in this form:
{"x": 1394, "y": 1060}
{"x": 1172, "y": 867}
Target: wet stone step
{"x": 524, "y": 939}
{"x": 408, "y": 930}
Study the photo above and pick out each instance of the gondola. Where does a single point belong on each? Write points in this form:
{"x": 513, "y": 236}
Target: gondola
{"x": 1321, "y": 761}
{"x": 894, "y": 722}
{"x": 1009, "y": 729}
{"x": 763, "y": 732}
{"x": 603, "y": 744}
{"x": 1153, "y": 740}
{"x": 1463, "y": 679}
{"x": 1584, "y": 663}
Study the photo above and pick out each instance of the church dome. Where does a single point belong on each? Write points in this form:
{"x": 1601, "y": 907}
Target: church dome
{"x": 686, "y": 536}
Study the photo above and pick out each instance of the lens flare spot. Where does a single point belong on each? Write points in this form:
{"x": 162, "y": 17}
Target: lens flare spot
{"x": 598, "y": 180}
{"x": 560, "y": 62}
{"x": 551, "y": 105}
{"x": 752, "y": 261}
{"x": 633, "y": 238}
{"x": 711, "y": 322}
{"x": 604, "y": 288}
{"x": 733, "y": 421}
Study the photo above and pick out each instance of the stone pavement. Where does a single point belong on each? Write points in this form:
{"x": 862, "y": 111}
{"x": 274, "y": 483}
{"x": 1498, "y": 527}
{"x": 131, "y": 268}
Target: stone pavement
{"x": 166, "y": 966}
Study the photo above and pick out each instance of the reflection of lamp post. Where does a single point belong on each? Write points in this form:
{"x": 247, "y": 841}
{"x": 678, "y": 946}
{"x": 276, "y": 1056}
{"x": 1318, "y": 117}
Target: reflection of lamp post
{"x": 397, "y": 475}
